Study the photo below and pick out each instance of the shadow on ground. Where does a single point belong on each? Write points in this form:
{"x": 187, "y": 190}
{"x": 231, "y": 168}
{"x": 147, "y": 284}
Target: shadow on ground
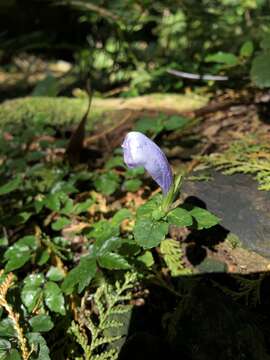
{"x": 216, "y": 316}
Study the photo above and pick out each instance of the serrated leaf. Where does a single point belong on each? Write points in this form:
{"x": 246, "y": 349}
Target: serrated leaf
{"x": 204, "y": 219}
{"x": 81, "y": 275}
{"x": 32, "y": 291}
{"x": 148, "y": 233}
{"x": 54, "y": 298}
{"x": 179, "y": 217}
{"x": 10, "y": 186}
{"x": 41, "y": 323}
{"x": 113, "y": 261}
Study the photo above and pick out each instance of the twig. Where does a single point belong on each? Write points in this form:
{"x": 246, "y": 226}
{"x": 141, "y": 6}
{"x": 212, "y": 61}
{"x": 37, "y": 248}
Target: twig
{"x": 96, "y": 137}
{"x": 191, "y": 76}
{"x": 98, "y": 9}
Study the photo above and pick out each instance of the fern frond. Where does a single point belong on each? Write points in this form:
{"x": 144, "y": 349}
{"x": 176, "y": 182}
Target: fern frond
{"x": 249, "y": 156}
{"x": 173, "y": 257}
{"x": 81, "y": 339}
{"x": 14, "y": 317}
{"x": 109, "y": 300}
{"x": 111, "y": 354}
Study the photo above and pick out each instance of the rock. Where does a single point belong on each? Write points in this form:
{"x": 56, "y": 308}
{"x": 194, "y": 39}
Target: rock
{"x": 244, "y": 210}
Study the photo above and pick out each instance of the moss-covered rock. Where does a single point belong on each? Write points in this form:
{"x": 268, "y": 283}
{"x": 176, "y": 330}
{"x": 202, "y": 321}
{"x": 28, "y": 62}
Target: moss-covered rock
{"x": 65, "y": 111}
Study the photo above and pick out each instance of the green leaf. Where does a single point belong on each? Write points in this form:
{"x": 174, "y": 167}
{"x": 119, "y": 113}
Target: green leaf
{"x": 54, "y": 298}
{"x": 148, "y": 233}
{"x": 113, "y": 261}
{"x": 38, "y": 343}
{"x": 29, "y": 240}
{"x": 150, "y": 125}
{"x": 103, "y": 230}
{"x": 260, "y": 70}
{"x": 60, "y": 223}
{"x": 10, "y": 186}
{"x": 53, "y": 202}
{"x": 7, "y": 328}
{"x": 81, "y": 275}
{"x": 5, "y": 346}
{"x": 107, "y": 183}
{"x": 55, "y": 274}
{"x": 147, "y": 259}
{"x": 41, "y": 323}
{"x": 13, "y": 354}
{"x": 132, "y": 185}
{"x": 179, "y": 217}
{"x": 42, "y": 256}
{"x": 106, "y": 246}
{"x": 32, "y": 290}
{"x": 16, "y": 256}
{"x": 131, "y": 173}
{"x": 147, "y": 209}
{"x": 82, "y": 207}
{"x": 121, "y": 215}
{"x": 221, "y": 57}
{"x": 176, "y": 122}
{"x": 204, "y": 219}
{"x": 116, "y": 161}
{"x": 246, "y": 49}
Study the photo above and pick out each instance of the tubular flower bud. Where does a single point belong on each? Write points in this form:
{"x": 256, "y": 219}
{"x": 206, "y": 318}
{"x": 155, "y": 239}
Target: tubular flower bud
{"x": 139, "y": 150}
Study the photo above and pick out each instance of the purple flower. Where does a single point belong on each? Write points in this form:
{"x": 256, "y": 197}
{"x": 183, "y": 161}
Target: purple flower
{"x": 139, "y": 150}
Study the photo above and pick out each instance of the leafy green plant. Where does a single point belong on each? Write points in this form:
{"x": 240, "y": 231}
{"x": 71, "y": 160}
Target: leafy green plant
{"x": 111, "y": 302}
{"x": 154, "y": 126}
{"x": 173, "y": 256}
{"x": 248, "y": 156}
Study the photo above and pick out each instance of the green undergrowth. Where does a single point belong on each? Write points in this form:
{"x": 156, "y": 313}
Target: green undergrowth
{"x": 247, "y": 156}
{"x": 76, "y": 241}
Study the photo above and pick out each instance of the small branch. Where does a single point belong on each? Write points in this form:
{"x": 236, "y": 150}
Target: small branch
{"x": 92, "y": 7}
{"x": 191, "y": 76}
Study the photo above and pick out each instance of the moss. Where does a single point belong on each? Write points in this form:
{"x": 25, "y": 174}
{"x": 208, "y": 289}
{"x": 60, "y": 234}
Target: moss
{"x": 65, "y": 111}
{"x": 42, "y": 109}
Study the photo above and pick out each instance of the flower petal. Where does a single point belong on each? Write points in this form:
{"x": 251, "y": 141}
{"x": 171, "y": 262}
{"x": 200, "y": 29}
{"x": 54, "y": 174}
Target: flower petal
{"x": 139, "y": 150}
